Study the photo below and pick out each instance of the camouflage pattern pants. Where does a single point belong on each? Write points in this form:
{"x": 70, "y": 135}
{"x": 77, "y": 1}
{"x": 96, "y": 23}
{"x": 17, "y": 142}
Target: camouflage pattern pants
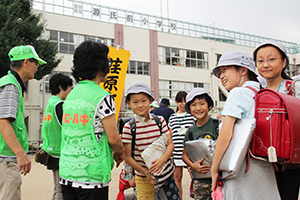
{"x": 202, "y": 191}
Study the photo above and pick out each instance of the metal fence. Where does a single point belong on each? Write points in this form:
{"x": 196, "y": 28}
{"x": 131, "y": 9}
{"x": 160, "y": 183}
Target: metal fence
{"x": 102, "y": 13}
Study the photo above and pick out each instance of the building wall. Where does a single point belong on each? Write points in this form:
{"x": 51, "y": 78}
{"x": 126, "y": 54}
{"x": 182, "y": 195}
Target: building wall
{"x": 137, "y": 42}
{"x": 141, "y": 43}
{"x": 79, "y": 25}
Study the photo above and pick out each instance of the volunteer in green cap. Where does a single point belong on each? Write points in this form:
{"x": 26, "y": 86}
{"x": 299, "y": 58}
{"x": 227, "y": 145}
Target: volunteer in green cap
{"x": 14, "y": 137}
{"x": 89, "y": 128}
{"x": 60, "y": 87}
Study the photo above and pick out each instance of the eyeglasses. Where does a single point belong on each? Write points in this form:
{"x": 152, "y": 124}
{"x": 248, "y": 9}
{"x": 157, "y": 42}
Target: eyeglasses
{"x": 270, "y": 61}
{"x": 35, "y": 61}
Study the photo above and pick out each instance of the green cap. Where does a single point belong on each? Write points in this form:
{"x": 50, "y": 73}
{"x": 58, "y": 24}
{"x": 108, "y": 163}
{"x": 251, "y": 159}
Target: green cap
{"x": 23, "y": 52}
{"x": 154, "y": 104}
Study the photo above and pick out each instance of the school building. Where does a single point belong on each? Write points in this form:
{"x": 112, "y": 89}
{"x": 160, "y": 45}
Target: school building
{"x": 169, "y": 55}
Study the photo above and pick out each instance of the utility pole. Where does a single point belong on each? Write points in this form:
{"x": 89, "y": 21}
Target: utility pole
{"x": 44, "y": 28}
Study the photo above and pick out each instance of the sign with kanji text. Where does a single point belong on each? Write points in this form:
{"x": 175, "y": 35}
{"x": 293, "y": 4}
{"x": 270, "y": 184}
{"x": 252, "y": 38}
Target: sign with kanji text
{"x": 115, "y": 82}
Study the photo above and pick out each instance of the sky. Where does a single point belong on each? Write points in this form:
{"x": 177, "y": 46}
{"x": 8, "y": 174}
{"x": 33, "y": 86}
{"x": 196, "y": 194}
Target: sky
{"x": 276, "y": 19}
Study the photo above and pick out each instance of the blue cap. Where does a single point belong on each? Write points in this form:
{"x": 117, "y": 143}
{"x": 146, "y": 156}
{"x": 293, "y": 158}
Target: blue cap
{"x": 165, "y": 102}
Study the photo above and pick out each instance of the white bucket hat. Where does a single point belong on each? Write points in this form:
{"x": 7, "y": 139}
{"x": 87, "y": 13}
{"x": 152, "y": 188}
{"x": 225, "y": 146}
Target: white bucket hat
{"x": 237, "y": 58}
{"x": 276, "y": 44}
{"x": 191, "y": 95}
{"x": 139, "y": 87}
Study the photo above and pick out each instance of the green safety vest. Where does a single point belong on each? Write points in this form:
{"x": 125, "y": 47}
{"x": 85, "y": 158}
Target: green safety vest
{"x": 83, "y": 158}
{"x": 51, "y": 130}
{"x": 18, "y": 125}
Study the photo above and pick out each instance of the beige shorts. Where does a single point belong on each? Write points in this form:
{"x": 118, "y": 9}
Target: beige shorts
{"x": 10, "y": 181}
{"x": 144, "y": 189}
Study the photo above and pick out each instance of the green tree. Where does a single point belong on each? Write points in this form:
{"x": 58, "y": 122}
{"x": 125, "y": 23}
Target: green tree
{"x": 20, "y": 25}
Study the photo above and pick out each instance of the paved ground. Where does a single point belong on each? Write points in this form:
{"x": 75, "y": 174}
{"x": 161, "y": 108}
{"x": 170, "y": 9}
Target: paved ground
{"x": 38, "y": 184}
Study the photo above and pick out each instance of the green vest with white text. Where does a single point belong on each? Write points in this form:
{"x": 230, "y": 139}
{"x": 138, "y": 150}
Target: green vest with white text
{"x": 51, "y": 130}
{"x": 83, "y": 157}
{"x": 18, "y": 125}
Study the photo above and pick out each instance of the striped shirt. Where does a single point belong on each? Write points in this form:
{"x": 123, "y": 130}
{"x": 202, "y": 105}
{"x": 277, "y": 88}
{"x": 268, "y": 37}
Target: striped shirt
{"x": 146, "y": 133}
{"x": 176, "y": 121}
{"x": 9, "y": 100}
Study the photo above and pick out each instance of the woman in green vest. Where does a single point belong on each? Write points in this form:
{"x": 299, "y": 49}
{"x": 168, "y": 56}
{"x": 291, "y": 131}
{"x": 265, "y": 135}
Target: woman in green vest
{"x": 89, "y": 129}
{"x": 60, "y": 87}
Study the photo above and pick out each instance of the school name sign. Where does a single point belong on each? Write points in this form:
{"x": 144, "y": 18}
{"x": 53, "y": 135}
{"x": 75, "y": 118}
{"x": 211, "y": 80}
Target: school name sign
{"x": 115, "y": 82}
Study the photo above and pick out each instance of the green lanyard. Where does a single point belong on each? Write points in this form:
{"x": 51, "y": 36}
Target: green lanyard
{"x": 182, "y": 118}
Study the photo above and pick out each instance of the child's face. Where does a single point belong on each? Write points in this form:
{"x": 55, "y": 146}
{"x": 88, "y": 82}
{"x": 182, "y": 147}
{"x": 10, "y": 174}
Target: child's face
{"x": 230, "y": 77}
{"x": 269, "y": 62}
{"x": 181, "y": 105}
{"x": 140, "y": 104}
{"x": 199, "y": 108}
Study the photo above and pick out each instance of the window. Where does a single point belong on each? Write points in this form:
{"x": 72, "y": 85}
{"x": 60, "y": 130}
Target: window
{"x": 222, "y": 96}
{"x": 218, "y": 57}
{"x": 198, "y": 85}
{"x": 47, "y": 85}
{"x": 169, "y": 89}
{"x": 67, "y": 42}
{"x": 291, "y": 70}
{"x": 140, "y": 68}
{"x": 127, "y": 108}
{"x": 182, "y": 57}
{"x": 53, "y": 35}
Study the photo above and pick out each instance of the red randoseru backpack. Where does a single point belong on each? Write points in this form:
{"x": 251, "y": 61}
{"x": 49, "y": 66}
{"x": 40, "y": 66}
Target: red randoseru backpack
{"x": 278, "y": 125}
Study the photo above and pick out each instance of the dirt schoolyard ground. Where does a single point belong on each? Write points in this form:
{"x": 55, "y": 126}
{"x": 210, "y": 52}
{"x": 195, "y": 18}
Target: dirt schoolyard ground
{"x": 38, "y": 184}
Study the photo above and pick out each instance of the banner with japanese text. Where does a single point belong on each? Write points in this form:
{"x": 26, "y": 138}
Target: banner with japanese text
{"x": 115, "y": 82}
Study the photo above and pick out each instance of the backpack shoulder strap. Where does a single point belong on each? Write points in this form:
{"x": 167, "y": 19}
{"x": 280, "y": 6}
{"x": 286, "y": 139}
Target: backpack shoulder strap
{"x": 251, "y": 88}
{"x": 216, "y": 123}
{"x": 158, "y": 122}
{"x": 133, "y": 134}
{"x": 190, "y": 132}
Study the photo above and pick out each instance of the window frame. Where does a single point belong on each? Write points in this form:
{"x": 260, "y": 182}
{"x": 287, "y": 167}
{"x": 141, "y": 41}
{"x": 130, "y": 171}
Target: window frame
{"x": 72, "y": 40}
{"x": 169, "y": 89}
{"x": 183, "y": 57}
{"x": 133, "y": 68}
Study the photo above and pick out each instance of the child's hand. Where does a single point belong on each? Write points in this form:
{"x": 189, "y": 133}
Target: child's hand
{"x": 201, "y": 169}
{"x": 214, "y": 178}
{"x": 157, "y": 165}
{"x": 118, "y": 158}
{"x": 132, "y": 182}
{"x": 151, "y": 178}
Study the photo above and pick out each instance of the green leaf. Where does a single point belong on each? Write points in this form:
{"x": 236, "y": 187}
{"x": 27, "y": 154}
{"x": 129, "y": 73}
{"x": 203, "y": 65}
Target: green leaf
{"x": 19, "y": 25}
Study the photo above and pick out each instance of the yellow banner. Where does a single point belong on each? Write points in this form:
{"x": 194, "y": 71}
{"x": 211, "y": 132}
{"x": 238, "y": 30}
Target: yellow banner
{"x": 117, "y": 73}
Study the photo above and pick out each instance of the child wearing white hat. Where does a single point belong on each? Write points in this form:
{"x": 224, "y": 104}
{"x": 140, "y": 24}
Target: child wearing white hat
{"x": 271, "y": 61}
{"x": 139, "y": 98}
{"x": 236, "y": 71}
{"x": 199, "y": 103}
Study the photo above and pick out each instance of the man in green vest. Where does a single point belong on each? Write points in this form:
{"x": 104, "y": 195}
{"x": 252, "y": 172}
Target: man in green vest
{"x": 14, "y": 137}
{"x": 60, "y": 87}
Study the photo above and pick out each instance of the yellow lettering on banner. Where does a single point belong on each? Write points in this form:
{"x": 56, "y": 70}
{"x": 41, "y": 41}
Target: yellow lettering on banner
{"x": 116, "y": 77}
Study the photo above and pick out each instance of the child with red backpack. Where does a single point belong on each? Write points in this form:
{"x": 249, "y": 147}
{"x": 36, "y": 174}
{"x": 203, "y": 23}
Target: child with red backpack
{"x": 271, "y": 61}
{"x": 236, "y": 71}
